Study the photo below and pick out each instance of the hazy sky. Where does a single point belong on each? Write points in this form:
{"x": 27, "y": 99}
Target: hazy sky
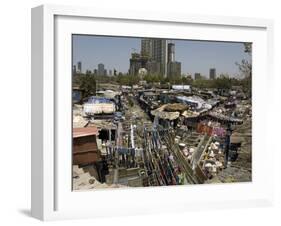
{"x": 195, "y": 56}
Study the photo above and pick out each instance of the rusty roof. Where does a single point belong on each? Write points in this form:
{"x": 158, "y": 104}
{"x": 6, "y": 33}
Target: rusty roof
{"x": 85, "y": 131}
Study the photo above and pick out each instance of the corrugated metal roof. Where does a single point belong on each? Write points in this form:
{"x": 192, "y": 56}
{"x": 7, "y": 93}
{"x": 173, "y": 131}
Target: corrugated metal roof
{"x": 86, "y": 131}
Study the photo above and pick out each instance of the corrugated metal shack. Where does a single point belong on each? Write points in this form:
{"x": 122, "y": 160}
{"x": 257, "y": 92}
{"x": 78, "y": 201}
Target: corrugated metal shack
{"x": 85, "y": 149}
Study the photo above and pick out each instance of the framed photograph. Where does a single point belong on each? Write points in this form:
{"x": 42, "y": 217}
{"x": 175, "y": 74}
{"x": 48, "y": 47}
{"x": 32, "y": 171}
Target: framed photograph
{"x": 141, "y": 112}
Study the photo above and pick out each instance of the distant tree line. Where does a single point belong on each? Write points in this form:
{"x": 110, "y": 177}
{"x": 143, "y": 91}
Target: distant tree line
{"x": 88, "y": 82}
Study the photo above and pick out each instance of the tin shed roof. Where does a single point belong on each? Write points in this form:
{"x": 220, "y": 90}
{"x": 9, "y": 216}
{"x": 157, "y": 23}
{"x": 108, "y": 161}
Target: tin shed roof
{"x": 85, "y": 131}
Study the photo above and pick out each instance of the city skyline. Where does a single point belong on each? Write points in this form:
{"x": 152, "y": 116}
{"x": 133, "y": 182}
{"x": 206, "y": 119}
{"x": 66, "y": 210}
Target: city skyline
{"x": 195, "y": 56}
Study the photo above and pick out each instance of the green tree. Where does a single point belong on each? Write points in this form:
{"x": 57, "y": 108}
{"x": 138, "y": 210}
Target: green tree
{"x": 87, "y": 82}
{"x": 245, "y": 68}
{"x": 223, "y": 82}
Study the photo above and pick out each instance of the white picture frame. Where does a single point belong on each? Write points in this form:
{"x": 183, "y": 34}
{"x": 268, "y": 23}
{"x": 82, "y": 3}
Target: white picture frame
{"x": 52, "y": 197}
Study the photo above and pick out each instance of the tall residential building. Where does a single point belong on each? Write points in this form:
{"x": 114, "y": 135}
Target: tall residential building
{"x": 74, "y": 70}
{"x": 146, "y": 47}
{"x": 174, "y": 69}
{"x": 79, "y": 67}
{"x": 159, "y": 54}
{"x": 155, "y": 51}
{"x": 212, "y": 73}
{"x": 101, "y": 70}
{"x": 171, "y": 52}
{"x": 153, "y": 67}
{"x": 197, "y": 76}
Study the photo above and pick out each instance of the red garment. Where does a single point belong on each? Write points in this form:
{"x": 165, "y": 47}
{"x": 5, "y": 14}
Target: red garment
{"x": 201, "y": 128}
